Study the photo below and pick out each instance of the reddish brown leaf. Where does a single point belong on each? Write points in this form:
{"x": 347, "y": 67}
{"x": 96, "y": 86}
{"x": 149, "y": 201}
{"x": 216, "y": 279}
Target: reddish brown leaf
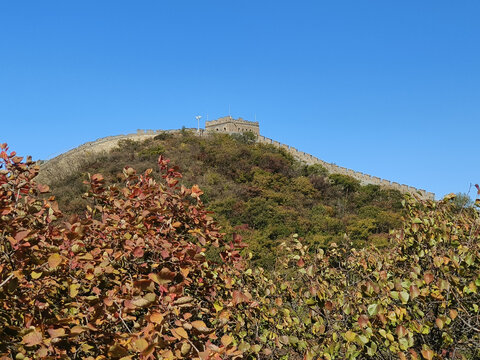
{"x": 54, "y": 260}
{"x": 21, "y": 235}
{"x": 32, "y": 338}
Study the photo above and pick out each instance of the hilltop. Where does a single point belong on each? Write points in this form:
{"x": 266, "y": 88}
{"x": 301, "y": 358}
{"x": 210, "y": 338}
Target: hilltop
{"x": 256, "y": 189}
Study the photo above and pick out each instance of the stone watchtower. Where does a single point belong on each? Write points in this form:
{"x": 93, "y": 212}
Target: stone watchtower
{"x": 227, "y": 124}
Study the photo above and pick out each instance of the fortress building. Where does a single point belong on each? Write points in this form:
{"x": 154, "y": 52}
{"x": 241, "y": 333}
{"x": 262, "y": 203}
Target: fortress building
{"x": 227, "y": 124}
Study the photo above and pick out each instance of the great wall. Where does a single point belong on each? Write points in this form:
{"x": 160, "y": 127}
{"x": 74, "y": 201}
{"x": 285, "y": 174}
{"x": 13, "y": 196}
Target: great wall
{"x": 65, "y": 164}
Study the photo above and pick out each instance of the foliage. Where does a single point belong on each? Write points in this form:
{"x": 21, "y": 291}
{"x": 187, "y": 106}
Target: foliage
{"x": 462, "y": 200}
{"x": 254, "y": 185}
{"x": 417, "y": 300}
{"x": 245, "y": 137}
{"x": 130, "y": 279}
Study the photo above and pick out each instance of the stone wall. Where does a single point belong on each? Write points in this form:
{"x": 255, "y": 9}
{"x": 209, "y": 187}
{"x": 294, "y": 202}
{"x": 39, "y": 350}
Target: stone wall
{"x": 68, "y": 162}
{"x": 335, "y": 169}
{"x": 230, "y": 125}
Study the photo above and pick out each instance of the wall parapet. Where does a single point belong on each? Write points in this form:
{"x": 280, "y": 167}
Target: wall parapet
{"x": 364, "y": 179}
{"x": 226, "y": 119}
{"x": 66, "y": 163}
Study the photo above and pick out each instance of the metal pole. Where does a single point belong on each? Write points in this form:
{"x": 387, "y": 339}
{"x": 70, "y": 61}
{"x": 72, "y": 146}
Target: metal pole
{"x": 198, "y": 117}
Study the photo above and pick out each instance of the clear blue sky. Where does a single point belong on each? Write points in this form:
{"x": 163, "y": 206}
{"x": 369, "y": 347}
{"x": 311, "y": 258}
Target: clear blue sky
{"x": 390, "y": 88}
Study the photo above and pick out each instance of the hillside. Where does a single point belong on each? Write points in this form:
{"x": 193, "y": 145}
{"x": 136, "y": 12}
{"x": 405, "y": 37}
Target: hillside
{"x": 257, "y": 190}
{"x": 145, "y": 272}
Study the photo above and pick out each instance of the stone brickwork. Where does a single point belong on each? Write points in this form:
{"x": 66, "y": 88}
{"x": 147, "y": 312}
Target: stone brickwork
{"x": 335, "y": 169}
{"x": 230, "y": 125}
{"x": 66, "y": 163}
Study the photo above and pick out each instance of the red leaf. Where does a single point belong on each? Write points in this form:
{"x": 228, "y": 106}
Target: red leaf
{"x": 138, "y": 251}
{"x": 239, "y": 297}
{"x": 97, "y": 178}
{"x": 21, "y": 235}
{"x": 33, "y": 338}
{"x": 428, "y": 278}
{"x": 363, "y": 321}
{"x": 329, "y": 305}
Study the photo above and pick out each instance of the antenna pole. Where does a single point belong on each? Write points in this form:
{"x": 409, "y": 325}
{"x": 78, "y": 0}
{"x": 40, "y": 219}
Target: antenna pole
{"x": 198, "y": 117}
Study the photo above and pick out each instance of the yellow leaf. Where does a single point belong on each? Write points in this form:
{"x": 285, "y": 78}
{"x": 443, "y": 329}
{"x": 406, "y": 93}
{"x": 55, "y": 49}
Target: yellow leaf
{"x": 184, "y": 271}
{"x": 54, "y": 260}
{"x": 140, "y": 344}
{"x": 185, "y": 349}
{"x": 167, "y": 355}
{"x": 350, "y": 336}
{"x": 156, "y": 318}
{"x": 35, "y": 275}
{"x": 196, "y": 192}
{"x": 179, "y": 331}
{"x": 453, "y": 314}
{"x": 73, "y": 290}
{"x": 200, "y": 326}
{"x": 427, "y": 354}
{"x": 226, "y": 340}
{"x": 177, "y": 224}
{"x": 89, "y": 276}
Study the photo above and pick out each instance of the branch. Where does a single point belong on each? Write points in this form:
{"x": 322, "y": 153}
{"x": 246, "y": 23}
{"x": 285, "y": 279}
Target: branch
{"x": 6, "y": 280}
{"x": 121, "y": 318}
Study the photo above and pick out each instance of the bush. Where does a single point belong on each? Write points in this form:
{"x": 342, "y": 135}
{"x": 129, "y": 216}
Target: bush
{"x": 245, "y": 137}
{"x": 347, "y": 183}
{"x": 128, "y": 279}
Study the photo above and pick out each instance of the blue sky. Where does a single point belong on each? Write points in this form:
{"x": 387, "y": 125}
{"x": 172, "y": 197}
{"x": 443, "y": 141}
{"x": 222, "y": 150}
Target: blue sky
{"x": 387, "y": 88}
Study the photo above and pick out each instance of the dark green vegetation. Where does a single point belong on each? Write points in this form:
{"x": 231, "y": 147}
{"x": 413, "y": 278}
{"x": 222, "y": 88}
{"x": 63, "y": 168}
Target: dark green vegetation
{"x": 256, "y": 190}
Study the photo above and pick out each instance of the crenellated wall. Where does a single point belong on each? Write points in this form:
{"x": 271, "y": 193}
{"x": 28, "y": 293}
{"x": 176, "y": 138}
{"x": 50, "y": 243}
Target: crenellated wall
{"x": 227, "y": 124}
{"x": 68, "y": 162}
{"x": 335, "y": 169}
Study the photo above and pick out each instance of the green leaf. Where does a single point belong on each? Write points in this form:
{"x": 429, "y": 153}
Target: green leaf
{"x": 373, "y": 309}
{"x": 362, "y": 340}
{"x": 404, "y": 296}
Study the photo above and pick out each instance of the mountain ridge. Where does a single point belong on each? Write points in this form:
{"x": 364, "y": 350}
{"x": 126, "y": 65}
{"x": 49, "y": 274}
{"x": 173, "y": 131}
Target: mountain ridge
{"x": 66, "y": 163}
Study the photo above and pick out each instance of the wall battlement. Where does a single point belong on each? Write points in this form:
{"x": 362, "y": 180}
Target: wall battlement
{"x": 364, "y": 179}
{"x": 227, "y": 124}
{"x": 65, "y": 164}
